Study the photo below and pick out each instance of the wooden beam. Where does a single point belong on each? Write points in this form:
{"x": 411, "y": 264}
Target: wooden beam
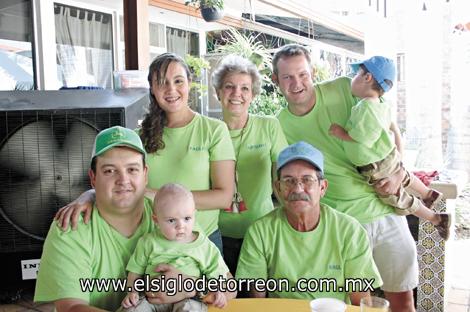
{"x": 136, "y": 34}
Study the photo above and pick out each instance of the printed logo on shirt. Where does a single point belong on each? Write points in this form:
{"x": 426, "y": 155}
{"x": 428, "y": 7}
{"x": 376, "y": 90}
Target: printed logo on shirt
{"x": 335, "y": 267}
{"x": 256, "y": 146}
{"x": 197, "y": 148}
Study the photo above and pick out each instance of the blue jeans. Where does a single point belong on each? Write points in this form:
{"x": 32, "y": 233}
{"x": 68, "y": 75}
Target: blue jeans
{"x": 216, "y": 238}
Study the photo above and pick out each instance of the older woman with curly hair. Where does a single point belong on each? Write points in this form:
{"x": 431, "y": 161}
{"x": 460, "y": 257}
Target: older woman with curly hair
{"x": 257, "y": 141}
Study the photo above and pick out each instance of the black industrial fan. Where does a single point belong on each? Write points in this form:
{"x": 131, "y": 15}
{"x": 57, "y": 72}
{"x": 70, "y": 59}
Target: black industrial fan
{"x": 46, "y": 140}
{"x": 45, "y": 163}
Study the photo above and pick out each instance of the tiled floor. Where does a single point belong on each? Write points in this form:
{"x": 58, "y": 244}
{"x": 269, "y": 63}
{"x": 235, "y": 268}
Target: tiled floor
{"x": 458, "y": 299}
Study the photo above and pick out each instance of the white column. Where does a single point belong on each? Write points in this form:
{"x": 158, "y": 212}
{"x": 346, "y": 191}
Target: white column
{"x": 45, "y": 45}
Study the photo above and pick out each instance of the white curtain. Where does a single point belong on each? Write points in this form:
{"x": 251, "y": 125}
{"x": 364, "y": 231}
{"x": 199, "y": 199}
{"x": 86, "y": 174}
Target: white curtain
{"x": 84, "y": 47}
{"x": 177, "y": 41}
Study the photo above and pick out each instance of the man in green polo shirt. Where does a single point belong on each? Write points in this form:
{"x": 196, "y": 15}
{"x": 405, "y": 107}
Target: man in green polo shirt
{"x": 306, "y": 242}
{"x": 310, "y": 112}
{"x": 100, "y": 250}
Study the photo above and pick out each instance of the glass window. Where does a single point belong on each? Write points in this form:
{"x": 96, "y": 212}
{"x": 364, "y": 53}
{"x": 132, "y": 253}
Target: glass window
{"x": 157, "y": 35}
{"x": 157, "y": 40}
{"x": 182, "y": 42}
{"x": 16, "y": 48}
{"x": 84, "y": 47}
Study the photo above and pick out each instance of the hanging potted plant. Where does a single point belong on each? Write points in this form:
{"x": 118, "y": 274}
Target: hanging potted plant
{"x": 211, "y": 10}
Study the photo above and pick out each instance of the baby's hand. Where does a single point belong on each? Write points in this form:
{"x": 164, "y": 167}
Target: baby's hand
{"x": 130, "y": 300}
{"x": 336, "y": 130}
{"x": 217, "y": 299}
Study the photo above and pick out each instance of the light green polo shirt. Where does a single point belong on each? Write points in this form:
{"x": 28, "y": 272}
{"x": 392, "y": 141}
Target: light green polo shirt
{"x": 369, "y": 126}
{"x": 348, "y": 191}
{"x": 256, "y": 149}
{"x": 93, "y": 251}
{"x": 197, "y": 258}
{"x": 186, "y": 160}
{"x": 338, "y": 248}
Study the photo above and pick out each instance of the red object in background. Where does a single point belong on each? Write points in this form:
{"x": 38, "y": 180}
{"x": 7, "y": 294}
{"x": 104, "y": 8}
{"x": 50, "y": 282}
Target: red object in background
{"x": 236, "y": 207}
{"x": 426, "y": 176}
{"x": 242, "y": 206}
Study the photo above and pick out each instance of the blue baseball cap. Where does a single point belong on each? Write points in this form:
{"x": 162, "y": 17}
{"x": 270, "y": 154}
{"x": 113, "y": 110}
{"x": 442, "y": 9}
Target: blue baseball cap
{"x": 380, "y": 67}
{"x": 300, "y": 151}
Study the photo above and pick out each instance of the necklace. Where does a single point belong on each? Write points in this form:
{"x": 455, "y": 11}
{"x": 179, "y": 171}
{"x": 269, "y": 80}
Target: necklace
{"x": 236, "y": 136}
{"x": 238, "y": 204}
{"x": 237, "y": 156}
{"x": 239, "y": 134}
{"x": 242, "y": 129}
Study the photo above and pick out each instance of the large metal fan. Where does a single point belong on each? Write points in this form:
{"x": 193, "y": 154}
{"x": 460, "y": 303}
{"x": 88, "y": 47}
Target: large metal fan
{"x": 43, "y": 165}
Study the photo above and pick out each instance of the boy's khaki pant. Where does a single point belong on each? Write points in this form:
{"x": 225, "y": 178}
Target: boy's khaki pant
{"x": 404, "y": 202}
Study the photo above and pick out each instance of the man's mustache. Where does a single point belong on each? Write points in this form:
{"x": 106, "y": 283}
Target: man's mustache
{"x": 298, "y": 196}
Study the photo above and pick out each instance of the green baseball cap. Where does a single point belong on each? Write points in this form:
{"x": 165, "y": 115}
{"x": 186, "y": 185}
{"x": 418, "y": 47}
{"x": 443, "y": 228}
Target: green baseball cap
{"x": 117, "y": 136}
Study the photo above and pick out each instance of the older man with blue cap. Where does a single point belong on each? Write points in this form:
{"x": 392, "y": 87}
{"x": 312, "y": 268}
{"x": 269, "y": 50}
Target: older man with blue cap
{"x": 306, "y": 242}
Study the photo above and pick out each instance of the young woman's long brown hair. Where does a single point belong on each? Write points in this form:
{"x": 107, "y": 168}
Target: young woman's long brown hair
{"x": 155, "y": 120}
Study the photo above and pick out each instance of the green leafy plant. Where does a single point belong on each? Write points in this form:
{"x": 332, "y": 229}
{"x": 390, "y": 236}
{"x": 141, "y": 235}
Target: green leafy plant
{"x": 219, "y": 4}
{"x": 249, "y": 47}
{"x": 267, "y": 103}
{"x": 197, "y": 66}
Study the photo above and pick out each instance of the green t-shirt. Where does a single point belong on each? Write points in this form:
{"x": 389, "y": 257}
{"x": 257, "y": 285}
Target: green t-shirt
{"x": 197, "y": 258}
{"x": 186, "y": 159}
{"x": 369, "y": 126}
{"x": 93, "y": 251}
{"x": 256, "y": 149}
{"x": 338, "y": 248}
{"x": 348, "y": 191}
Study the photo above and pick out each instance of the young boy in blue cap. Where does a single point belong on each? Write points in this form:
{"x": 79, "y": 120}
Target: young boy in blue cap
{"x": 370, "y": 147}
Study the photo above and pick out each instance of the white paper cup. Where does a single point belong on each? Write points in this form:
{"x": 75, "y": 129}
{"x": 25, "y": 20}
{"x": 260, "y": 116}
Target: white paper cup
{"x": 327, "y": 305}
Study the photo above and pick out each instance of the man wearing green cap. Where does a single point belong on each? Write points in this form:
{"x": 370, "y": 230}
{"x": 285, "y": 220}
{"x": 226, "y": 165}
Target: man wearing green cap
{"x": 100, "y": 250}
